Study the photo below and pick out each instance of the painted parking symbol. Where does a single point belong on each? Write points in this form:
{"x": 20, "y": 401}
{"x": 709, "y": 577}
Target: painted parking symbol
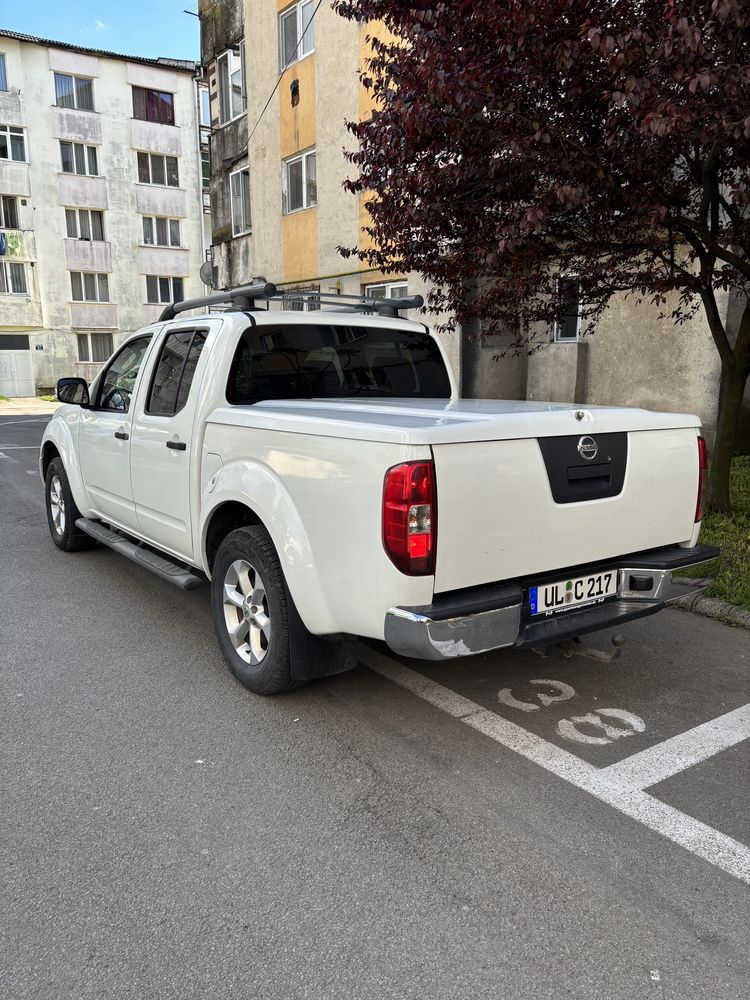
{"x": 564, "y": 693}
{"x": 568, "y": 728}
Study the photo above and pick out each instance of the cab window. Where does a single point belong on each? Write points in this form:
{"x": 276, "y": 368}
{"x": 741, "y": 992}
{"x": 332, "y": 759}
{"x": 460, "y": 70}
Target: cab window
{"x": 174, "y": 372}
{"x": 118, "y": 380}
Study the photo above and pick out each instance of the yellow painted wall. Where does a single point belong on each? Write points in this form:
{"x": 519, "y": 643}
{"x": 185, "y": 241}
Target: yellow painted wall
{"x": 299, "y": 233}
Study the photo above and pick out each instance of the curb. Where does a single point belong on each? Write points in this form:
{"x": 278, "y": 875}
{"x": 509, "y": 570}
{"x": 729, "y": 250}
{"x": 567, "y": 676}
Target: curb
{"x": 710, "y": 607}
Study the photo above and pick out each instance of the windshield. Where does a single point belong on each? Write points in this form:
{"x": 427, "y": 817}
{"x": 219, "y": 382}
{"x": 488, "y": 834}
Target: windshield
{"x": 305, "y": 361}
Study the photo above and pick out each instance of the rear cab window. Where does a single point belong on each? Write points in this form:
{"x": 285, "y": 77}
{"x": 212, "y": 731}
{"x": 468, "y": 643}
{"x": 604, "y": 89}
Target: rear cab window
{"x": 335, "y": 361}
{"x": 174, "y": 371}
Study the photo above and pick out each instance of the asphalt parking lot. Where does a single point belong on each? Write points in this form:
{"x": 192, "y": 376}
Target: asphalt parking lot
{"x": 503, "y": 826}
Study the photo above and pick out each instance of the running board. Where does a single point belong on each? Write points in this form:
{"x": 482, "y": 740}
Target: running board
{"x": 160, "y": 565}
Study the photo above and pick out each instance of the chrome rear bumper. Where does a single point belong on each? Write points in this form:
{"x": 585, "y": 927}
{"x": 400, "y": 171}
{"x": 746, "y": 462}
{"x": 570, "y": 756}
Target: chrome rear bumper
{"x": 448, "y": 628}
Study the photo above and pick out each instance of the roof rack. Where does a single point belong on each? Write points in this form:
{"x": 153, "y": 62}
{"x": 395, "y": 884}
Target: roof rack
{"x": 244, "y": 299}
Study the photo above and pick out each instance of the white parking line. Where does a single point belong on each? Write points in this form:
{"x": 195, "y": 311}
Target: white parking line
{"x": 8, "y": 458}
{"x": 657, "y": 763}
{"x": 700, "y": 839}
{"x": 21, "y": 447}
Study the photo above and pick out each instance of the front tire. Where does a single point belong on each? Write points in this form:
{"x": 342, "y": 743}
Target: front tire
{"x": 62, "y": 512}
{"x": 250, "y": 610}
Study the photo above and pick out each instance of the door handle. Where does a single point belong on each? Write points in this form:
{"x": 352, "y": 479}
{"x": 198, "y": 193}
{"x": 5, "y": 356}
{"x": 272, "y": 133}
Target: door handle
{"x": 177, "y": 445}
{"x": 122, "y": 435}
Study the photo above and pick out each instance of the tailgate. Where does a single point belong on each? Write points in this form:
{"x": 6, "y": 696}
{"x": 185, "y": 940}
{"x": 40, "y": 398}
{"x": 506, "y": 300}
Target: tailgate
{"x": 512, "y": 508}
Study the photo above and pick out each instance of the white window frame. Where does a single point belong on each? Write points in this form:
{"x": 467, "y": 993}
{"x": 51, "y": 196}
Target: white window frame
{"x": 75, "y": 79}
{"x": 98, "y": 276}
{"x": 204, "y": 107}
{"x": 228, "y": 57}
{"x": 3, "y": 74}
{"x": 7, "y": 266}
{"x": 557, "y": 329}
{"x": 153, "y": 220}
{"x": 171, "y": 280}
{"x": 389, "y": 289}
{"x": 285, "y": 182}
{"x": 15, "y": 130}
{"x": 87, "y": 151}
{"x": 295, "y": 11}
{"x": 245, "y": 217}
{"x": 165, "y": 157}
{"x": 88, "y": 336}
{"x": 4, "y": 222}
{"x": 88, "y": 212}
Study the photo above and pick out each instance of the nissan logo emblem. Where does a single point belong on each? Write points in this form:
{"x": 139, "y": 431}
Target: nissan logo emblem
{"x": 588, "y": 448}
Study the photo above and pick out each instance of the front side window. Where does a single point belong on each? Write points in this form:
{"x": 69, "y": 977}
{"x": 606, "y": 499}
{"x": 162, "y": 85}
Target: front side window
{"x": 153, "y": 168}
{"x": 239, "y": 186}
{"x": 95, "y": 347}
{"x": 79, "y": 159}
{"x": 174, "y": 371}
{"x": 12, "y": 143}
{"x": 310, "y": 361}
{"x": 84, "y": 224}
{"x": 568, "y": 327}
{"x": 88, "y": 286}
{"x": 153, "y": 106}
{"x": 161, "y": 232}
{"x": 74, "y": 92}
{"x": 3, "y": 73}
{"x": 300, "y": 188}
{"x": 231, "y": 73}
{"x": 163, "y": 289}
{"x": 296, "y": 37}
{"x": 13, "y": 279}
{"x": 8, "y": 212}
{"x": 116, "y": 386}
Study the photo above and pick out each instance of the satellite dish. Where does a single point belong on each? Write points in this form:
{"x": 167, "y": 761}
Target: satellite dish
{"x": 207, "y": 273}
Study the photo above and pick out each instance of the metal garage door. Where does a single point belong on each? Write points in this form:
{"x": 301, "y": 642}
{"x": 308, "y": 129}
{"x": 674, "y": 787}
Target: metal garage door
{"x": 16, "y": 374}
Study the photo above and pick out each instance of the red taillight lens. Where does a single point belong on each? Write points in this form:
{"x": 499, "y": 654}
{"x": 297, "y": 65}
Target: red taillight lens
{"x": 410, "y": 517}
{"x": 702, "y": 469}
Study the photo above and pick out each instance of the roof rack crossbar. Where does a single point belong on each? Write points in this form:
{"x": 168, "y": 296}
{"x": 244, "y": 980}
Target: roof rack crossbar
{"x": 241, "y": 298}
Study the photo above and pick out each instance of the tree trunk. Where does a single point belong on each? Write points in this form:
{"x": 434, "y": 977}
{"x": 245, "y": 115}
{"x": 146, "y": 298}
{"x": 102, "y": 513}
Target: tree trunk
{"x": 730, "y": 403}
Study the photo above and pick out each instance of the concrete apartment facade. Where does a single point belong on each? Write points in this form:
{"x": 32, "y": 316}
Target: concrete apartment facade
{"x": 101, "y": 186}
{"x": 299, "y": 87}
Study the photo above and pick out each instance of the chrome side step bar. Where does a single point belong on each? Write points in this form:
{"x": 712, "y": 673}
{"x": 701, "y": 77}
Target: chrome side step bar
{"x": 163, "y": 567}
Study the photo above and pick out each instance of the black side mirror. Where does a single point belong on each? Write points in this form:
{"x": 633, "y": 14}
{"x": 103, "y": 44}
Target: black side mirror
{"x": 73, "y": 390}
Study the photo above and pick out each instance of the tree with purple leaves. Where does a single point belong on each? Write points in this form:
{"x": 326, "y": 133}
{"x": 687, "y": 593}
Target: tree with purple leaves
{"x": 519, "y": 140}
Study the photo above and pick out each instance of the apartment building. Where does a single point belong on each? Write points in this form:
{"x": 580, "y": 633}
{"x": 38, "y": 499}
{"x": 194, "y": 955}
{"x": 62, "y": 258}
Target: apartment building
{"x": 103, "y": 214}
{"x": 283, "y": 80}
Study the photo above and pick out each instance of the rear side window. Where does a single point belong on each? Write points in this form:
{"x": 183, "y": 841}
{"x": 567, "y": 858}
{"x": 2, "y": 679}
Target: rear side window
{"x": 174, "y": 372}
{"x": 319, "y": 361}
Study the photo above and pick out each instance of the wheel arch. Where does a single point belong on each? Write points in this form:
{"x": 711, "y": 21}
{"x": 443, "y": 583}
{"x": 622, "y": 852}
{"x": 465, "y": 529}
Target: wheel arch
{"x": 49, "y": 451}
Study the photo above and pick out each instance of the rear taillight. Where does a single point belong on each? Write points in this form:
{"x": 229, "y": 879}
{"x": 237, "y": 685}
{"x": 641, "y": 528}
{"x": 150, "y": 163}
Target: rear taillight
{"x": 410, "y": 517}
{"x": 702, "y": 468}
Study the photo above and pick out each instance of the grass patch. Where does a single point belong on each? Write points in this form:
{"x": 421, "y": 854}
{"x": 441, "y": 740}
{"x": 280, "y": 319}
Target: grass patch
{"x": 3, "y": 399}
{"x": 48, "y": 399}
{"x": 731, "y": 571}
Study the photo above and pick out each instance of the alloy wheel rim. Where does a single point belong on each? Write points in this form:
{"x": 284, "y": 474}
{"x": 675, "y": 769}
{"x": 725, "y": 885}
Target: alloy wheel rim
{"x": 246, "y": 614}
{"x": 57, "y": 505}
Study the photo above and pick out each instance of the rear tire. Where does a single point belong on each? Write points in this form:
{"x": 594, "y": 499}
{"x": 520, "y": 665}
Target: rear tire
{"x": 62, "y": 512}
{"x": 250, "y": 610}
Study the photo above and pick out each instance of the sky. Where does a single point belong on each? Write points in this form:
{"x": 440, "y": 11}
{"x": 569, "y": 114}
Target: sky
{"x": 148, "y": 28}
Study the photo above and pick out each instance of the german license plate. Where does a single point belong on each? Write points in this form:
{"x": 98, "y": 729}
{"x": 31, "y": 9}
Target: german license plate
{"x": 550, "y": 598}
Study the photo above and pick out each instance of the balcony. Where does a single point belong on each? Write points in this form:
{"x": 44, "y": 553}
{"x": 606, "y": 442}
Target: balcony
{"x": 78, "y": 126}
{"x": 93, "y": 315}
{"x": 88, "y": 255}
{"x": 152, "y": 199}
{"x": 20, "y": 312}
{"x": 172, "y": 261}
{"x": 155, "y": 138}
{"x": 14, "y": 178}
{"x": 20, "y": 244}
{"x": 79, "y": 191}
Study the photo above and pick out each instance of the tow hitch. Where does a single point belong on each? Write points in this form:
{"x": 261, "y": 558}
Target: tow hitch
{"x": 576, "y": 647}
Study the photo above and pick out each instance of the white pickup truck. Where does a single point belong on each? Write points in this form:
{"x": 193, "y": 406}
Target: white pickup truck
{"x": 319, "y": 468}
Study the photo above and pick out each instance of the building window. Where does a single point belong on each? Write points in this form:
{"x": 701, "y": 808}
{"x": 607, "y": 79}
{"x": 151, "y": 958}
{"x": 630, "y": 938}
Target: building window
{"x": 74, "y": 92}
{"x": 296, "y": 36}
{"x": 12, "y": 279}
{"x": 205, "y": 168}
{"x": 386, "y": 290}
{"x": 79, "y": 159}
{"x": 3, "y": 73}
{"x": 95, "y": 347}
{"x": 302, "y": 298}
{"x": 300, "y": 189}
{"x": 153, "y": 106}
{"x": 205, "y": 106}
{"x": 161, "y": 232}
{"x": 568, "y": 327}
{"x": 231, "y": 72}
{"x": 84, "y": 224}
{"x": 12, "y": 143}
{"x": 165, "y": 290}
{"x": 239, "y": 189}
{"x": 8, "y": 212}
{"x": 89, "y": 287}
{"x": 156, "y": 169}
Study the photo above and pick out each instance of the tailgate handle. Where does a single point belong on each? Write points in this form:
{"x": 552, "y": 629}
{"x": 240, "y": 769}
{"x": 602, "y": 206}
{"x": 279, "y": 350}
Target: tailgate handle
{"x": 601, "y": 472}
